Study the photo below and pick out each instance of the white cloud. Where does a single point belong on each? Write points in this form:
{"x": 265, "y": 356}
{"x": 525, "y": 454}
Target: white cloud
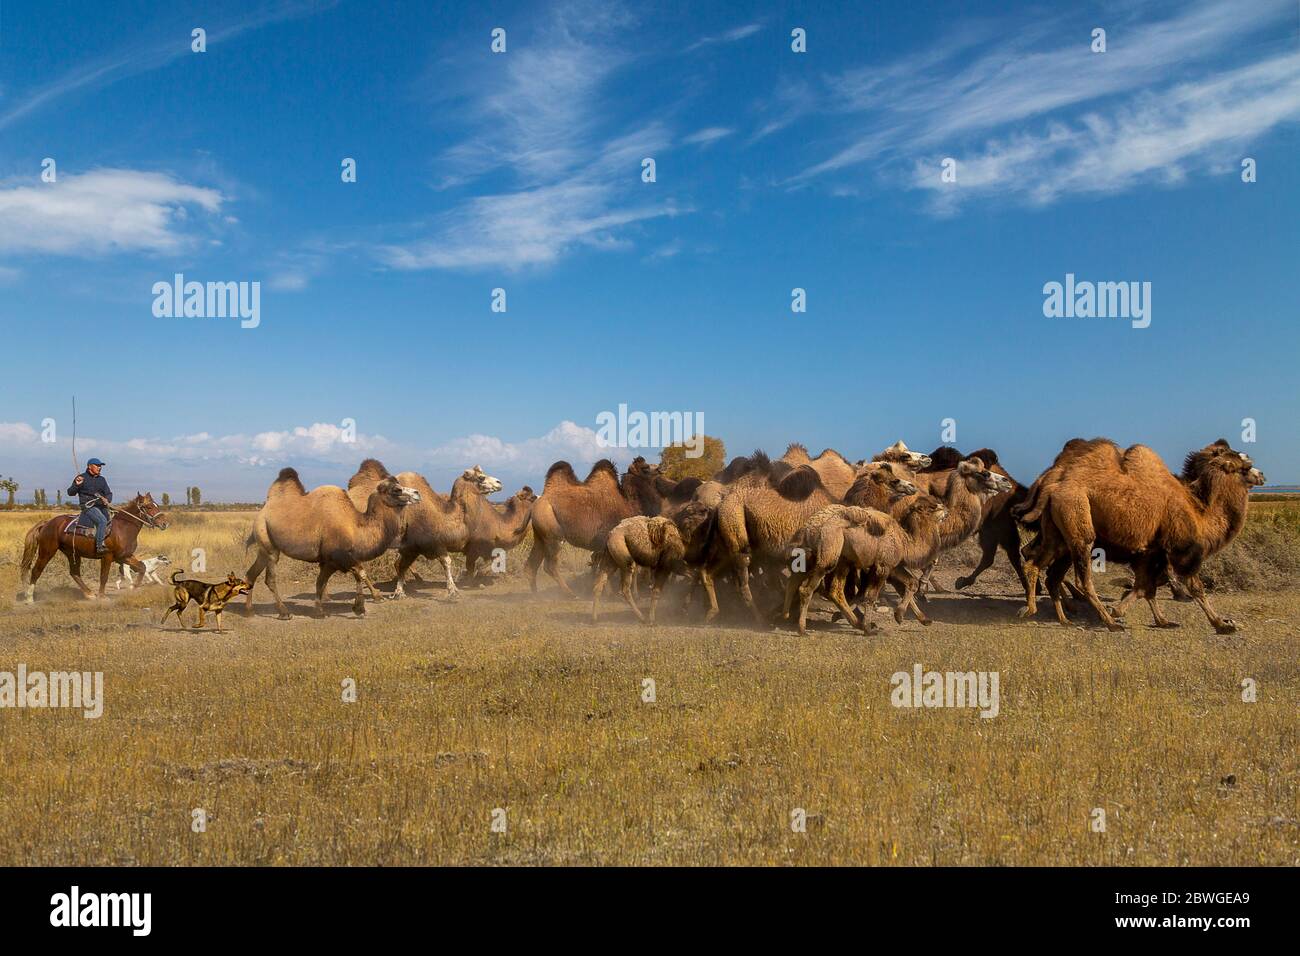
{"x": 1041, "y": 123}
{"x": 102, "y": 211}
{"x": 707, "y": 136}
{"x": 538, "y": 116}
{"x": 731, "y": 36}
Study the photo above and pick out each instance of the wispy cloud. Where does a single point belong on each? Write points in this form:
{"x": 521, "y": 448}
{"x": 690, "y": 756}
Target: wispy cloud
{"x": 730, "y": 36}
{"x": 707, "y": 136}
{"x": 144, "y": 57}
{"x": 102, "y": 211}
{"x": 538, "y": 116}
{"x": 1032, "y": 115}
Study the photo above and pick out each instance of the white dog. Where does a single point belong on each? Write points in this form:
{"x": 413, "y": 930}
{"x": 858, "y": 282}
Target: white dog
{"x": 151, "y": 566}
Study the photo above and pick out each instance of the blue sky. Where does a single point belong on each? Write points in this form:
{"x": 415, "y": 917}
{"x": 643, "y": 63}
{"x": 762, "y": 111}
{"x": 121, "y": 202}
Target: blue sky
{"x": 522, "y": 170}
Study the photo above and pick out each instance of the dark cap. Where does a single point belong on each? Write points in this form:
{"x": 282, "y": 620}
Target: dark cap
{"x": 94, "y": 461}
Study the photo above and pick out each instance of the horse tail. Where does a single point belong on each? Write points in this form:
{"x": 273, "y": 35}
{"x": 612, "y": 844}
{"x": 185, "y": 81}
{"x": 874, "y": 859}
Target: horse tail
{"x": 30, "y": 545}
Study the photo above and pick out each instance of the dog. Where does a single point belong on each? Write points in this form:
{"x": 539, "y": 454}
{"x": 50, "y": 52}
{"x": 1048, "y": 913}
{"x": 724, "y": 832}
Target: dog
{"x": 151, "y": 566}
{"x": 209, "y": 597}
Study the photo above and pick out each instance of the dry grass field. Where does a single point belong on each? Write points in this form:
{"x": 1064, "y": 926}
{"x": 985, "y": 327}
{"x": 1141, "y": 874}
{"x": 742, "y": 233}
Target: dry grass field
{"x": 503, "y": 700}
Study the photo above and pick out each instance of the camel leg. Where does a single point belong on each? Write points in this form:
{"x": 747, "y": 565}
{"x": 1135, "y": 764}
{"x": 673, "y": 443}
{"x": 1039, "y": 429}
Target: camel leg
{"x": 405, "y": 558}
{"x": 660, "y": 578}
{"x": 552, "y": 565}
{"x": 471, "y": 562}
{"x": 256, "y": 568}
{"x": 706, "y": 579}
{"x": 742, "y": 580}
{"x": 1082, "y": 558}
{"x": 534, "y": 562}
{"x": 602, "y": 576}
{"x": 906, "y": 586}
{"x": 838, "y": 598}
{"x": 359, "y": 602}
{"x": 364, "y": 579}
{"x": 271, "y": 582}
{"x": 1222, "y": 625}
{"x": 987, "y": 554}
{"x": 326, "y": 572}
{"x": 625, "y": 586}
{"x": 445, "y": 561}
{"x": 1055, "y": 576}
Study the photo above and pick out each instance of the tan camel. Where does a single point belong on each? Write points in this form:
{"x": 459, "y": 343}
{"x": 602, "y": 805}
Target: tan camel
{"x": 900, "y": 454}
{"x": 835, "y": 471}
{"x": 438, "y": 526}
{"x": 963, "y": 491}
{"x": 498, "y": 526}
{"x": 583, "y": 512}
{"x": 1132, "y": 502}
{"x": 326, "y": 529}
{"x": 844, "y": 538}
{"x": 638, "y": 541}
{"x": 880, "y": 485}
{"x": 759, "y": 515}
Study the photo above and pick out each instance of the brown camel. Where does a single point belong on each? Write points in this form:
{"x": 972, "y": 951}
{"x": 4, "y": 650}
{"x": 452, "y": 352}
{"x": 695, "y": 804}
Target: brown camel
{"x": 324, "y": 528}
{"x": 583, "y": 512}
{"x": 880, "y": 485}
{"x": 638, "y": 541}
{"x": 844, "y": 538}
{"x": 759, "y": 515}
{"x": 900, "y": 454}
{"x": 437, "y": 527}
{"x": 1132, "y": 502}
{"x": 500, "y": 526}
{"x": 997, "y": 527}
{"x": 835, "y": 471}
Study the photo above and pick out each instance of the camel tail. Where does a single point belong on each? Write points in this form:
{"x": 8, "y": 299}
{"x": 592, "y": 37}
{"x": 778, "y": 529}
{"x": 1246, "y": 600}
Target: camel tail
{"x": 1029, "y": 512}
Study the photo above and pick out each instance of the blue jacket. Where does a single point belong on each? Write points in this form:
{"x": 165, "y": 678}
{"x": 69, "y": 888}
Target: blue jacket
{"x": 91, "y": 487}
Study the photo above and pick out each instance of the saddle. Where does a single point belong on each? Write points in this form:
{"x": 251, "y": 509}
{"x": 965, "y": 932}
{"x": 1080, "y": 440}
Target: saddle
{"x": 73, "y": 526}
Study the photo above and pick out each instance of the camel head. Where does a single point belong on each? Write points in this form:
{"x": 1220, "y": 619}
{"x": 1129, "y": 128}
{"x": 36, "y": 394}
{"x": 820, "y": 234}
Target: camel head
{"x": 980, "y": 481}
{"x": 882, "y": 473}
{"x": 898, "y": 452}
{"x": 643, "y": 468}
{"x": 927, "y": 506}
{"x": 396, "y": 495}
{"x": 693, "y": 520}
{"x": 484, "y": 483}
{"x": 526, "y": 495}
{"x": 1220, "y": 457}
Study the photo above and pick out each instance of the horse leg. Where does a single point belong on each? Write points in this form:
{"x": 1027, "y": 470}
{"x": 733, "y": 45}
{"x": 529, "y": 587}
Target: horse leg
{"x": 42, "y": 560}
{"x": 105, "y": 569}
{"x": 74, "y": 570}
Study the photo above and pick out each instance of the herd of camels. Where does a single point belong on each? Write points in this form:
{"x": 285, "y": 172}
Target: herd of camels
{"x": 791, "y": 528}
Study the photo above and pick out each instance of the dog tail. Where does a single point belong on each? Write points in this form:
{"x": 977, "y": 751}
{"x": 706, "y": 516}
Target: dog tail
{"x": 174, "y": 573}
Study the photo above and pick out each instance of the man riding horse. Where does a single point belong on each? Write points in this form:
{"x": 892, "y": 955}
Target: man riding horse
{"x": 91, "y": 489}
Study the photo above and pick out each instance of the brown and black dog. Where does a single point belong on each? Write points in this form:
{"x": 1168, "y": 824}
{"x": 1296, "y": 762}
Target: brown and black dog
{"x": 209, "y": 597}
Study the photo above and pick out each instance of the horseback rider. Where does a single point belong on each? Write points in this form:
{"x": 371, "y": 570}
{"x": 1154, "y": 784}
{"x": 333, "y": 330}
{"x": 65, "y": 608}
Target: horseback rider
{"x": 91, "y": 489}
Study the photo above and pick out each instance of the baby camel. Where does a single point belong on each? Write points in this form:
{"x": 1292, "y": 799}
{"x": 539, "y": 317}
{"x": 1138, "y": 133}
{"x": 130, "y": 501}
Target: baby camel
{"x": 653, "y": 543}
{"x": 842, "y": 538}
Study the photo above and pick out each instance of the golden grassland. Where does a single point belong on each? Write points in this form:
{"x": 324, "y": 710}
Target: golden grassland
{"x": 503, "y": 700}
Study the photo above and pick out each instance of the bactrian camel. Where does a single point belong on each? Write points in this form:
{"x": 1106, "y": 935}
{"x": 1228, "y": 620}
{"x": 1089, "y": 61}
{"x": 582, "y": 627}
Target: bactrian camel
{"x": 327, "y": 529}
{"x": 438, "y": 526}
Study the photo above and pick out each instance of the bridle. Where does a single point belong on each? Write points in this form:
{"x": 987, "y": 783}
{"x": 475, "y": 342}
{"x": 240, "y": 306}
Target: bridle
{"x": 144, "y": 518}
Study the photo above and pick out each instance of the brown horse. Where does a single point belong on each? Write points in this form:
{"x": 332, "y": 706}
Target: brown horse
{"x": 55, "y": 534}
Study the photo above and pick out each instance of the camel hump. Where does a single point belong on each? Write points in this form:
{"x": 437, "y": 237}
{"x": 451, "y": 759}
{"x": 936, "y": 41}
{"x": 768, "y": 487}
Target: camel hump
{"x": 607, "y": 467}
{"x": 560, "y": 471}
{"x": 943, "y": 458}
{"x": 287, "y": 481}
{"x": 371, "y": 468}
{"x": 986, "y": 455}
{"x": 798, "y": 484}
{"x": 796, "y": 451}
